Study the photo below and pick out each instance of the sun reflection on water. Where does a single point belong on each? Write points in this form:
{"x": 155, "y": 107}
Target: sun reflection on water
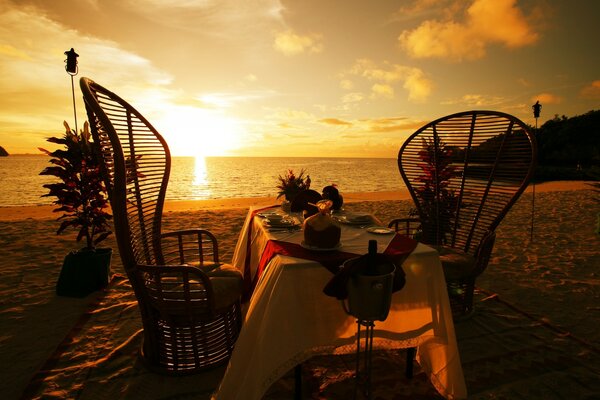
{"x": 200, "y": 175}
{"x": 200, "y": 183}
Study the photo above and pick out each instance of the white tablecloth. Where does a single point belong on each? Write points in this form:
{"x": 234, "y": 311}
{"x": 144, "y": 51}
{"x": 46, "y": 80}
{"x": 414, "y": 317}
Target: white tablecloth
{"x": 290, "y": 319}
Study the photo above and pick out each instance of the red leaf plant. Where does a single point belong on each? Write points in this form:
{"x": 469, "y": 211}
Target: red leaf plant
{"x": 439, "y": 203}
{"x": 80, "y": 194}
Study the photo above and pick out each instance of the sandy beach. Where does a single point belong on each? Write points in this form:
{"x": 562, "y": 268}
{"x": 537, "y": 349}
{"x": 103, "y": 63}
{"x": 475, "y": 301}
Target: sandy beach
{"x": 56, "y": 347}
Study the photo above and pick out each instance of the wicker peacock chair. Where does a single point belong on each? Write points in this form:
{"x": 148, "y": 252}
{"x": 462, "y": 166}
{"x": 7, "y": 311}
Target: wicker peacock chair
{"x": 464, "y": 172}
{"x": 188, "y": 300}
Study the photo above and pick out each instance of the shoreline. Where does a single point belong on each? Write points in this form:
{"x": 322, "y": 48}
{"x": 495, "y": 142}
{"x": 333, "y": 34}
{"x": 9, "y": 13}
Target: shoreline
{"x": 19, "y": 213}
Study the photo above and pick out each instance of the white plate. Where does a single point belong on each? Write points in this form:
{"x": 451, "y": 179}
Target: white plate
{"x": 280, "y": 224}
{"x": 267, "y": 214}
{"x": 315, "y": 248}
{"x": 380, "y": 230}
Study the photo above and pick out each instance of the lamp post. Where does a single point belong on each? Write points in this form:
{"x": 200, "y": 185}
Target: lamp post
{"x": 537, "y": 108}
{"x": 72, "y": 70}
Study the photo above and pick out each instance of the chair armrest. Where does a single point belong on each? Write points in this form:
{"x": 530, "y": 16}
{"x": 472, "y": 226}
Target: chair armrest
{"x": 405, "y": 226}
{"x": 197, "y": 247}
{"x": 484, "y": 252}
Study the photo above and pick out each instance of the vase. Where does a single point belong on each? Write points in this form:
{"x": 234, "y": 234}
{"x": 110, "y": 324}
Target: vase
{"x": 84, "y": 272}
{"x": 286, "y": 206}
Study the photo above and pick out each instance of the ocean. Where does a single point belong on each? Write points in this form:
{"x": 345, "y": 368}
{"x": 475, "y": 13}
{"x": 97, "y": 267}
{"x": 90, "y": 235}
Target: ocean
{"x": 217, "y": 177}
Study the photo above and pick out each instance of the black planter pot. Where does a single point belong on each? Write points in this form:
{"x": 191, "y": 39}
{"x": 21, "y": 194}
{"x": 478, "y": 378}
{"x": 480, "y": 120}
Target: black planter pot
{"x": 84, "y": 272}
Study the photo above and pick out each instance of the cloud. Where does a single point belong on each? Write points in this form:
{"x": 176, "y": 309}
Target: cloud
{"x": 334, "y": 121}
{"x": 524, "y": 82}
{"x": 391, "y": 124}
{"x": 346, "y": 84}
{"x": 591, "y": 91}
{"x": 418, "y": 7}
{"x": 418, "y": 86}
{"x": 225, "y": 100}
{"x": 382, "y": 90}
{"x": 12, "y": 52}
{"x": 547, "y": 98}
{"x": 385, "y": 126}
{"x": 37, "y": 90}
{"x": 353, "y": 97}
{"x": 413, "y": 79}
{"x": 32, "y": 72}
{"x": 476, "y": 100}
{"x": 292, "y": 44}
{"x": 485, "y": 22}
{"x": 218, "y": 18}
{"x": 286, "y": 114}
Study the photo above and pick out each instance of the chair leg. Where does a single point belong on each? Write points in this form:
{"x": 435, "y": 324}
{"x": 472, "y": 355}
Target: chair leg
{"x": 410, "y": 356}
{"x": 469, "y": 290}
{"x": 298, "y": 382}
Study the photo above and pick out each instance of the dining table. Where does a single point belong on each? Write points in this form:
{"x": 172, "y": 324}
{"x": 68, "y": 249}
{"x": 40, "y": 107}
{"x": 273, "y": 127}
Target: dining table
{"x": 289, "y": 319}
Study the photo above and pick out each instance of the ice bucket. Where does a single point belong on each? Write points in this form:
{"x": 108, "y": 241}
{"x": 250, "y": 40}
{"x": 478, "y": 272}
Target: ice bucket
{"x": 370, "y": 292}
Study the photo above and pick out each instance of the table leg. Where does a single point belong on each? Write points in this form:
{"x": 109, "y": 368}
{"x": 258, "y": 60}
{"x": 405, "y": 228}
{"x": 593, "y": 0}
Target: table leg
{"x": 298, "y": 382}
{"x": 410, "y": 357}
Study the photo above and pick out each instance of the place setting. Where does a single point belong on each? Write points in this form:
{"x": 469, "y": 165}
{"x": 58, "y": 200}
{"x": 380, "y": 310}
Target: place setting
{"x": 355, "y": 220}
{"x": 278, "y": 222}
{"x": 380, "y": 230}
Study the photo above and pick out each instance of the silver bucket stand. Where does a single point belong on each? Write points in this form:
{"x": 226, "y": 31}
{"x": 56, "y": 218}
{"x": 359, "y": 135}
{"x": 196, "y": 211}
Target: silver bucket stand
{"x": 369, "y": 300}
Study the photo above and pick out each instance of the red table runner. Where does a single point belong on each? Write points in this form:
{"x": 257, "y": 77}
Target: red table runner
{"x": 248, "y": 283}
{"x": 398, "y": 249}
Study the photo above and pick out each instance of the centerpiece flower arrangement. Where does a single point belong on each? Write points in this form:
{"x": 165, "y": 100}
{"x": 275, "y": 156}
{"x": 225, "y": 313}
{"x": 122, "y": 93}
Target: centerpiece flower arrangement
{"x": 291, "y": 184}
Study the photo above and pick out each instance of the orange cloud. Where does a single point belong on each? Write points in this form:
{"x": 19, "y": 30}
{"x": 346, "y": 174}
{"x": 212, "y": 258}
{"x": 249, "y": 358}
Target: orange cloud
{"x": 352, "y": 97}
{"x": 418, "y": 86}
{"x": 486, "y": 22}
{"x": 12, "y": 52}
{"x": 547, "y": 98}
{"x": 476, "y": 100}
{"x": 292, "y": 44}
{"x": 382, "y": 90}
{"x": 413, "y": 79}
{"x": 394, "y": 124}
{"x": 592, "y": 91}
{"x": 334, "y": 121}
{"x": 346, "y": 84}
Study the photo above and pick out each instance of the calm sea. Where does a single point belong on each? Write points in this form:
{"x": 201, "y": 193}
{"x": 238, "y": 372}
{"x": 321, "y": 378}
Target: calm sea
{"x": 217, "y": 177}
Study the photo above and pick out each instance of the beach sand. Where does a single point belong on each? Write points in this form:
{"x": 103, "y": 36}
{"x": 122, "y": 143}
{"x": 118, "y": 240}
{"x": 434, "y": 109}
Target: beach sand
{"x": 56, "y": 347}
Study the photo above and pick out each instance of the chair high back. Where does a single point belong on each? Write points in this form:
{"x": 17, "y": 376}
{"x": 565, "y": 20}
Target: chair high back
{"x": 464, "y": 171}
{"x": 191, "y": 315}
{"x": 137, "y": 163}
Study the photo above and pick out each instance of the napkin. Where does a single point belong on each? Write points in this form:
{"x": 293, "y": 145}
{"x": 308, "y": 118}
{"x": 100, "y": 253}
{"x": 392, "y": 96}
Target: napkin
{"x": 397, "y": 251}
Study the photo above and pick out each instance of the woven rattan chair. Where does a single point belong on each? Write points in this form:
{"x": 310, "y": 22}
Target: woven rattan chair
{"x": 464, "y": 172}
{"x": 188, "y": 300}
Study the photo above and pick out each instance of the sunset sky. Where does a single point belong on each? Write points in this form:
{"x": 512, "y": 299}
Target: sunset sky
{"x": 321, "y": 78}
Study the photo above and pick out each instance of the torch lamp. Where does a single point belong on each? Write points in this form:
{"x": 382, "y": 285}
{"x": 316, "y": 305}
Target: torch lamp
{"x": 72, "y": 69}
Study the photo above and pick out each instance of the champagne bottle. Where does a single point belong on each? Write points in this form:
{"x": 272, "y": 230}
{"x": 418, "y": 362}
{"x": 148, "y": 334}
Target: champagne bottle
{"x": 372, "y": 258}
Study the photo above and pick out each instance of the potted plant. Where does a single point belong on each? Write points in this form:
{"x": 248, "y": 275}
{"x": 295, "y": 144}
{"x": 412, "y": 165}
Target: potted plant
{"x": 291, "y": 184}
{"x": 438, "y": 202}
{"x": 82, "y": 198}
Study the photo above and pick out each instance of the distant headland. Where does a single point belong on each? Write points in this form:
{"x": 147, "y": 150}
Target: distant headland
{"x": 3, "y": 153}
